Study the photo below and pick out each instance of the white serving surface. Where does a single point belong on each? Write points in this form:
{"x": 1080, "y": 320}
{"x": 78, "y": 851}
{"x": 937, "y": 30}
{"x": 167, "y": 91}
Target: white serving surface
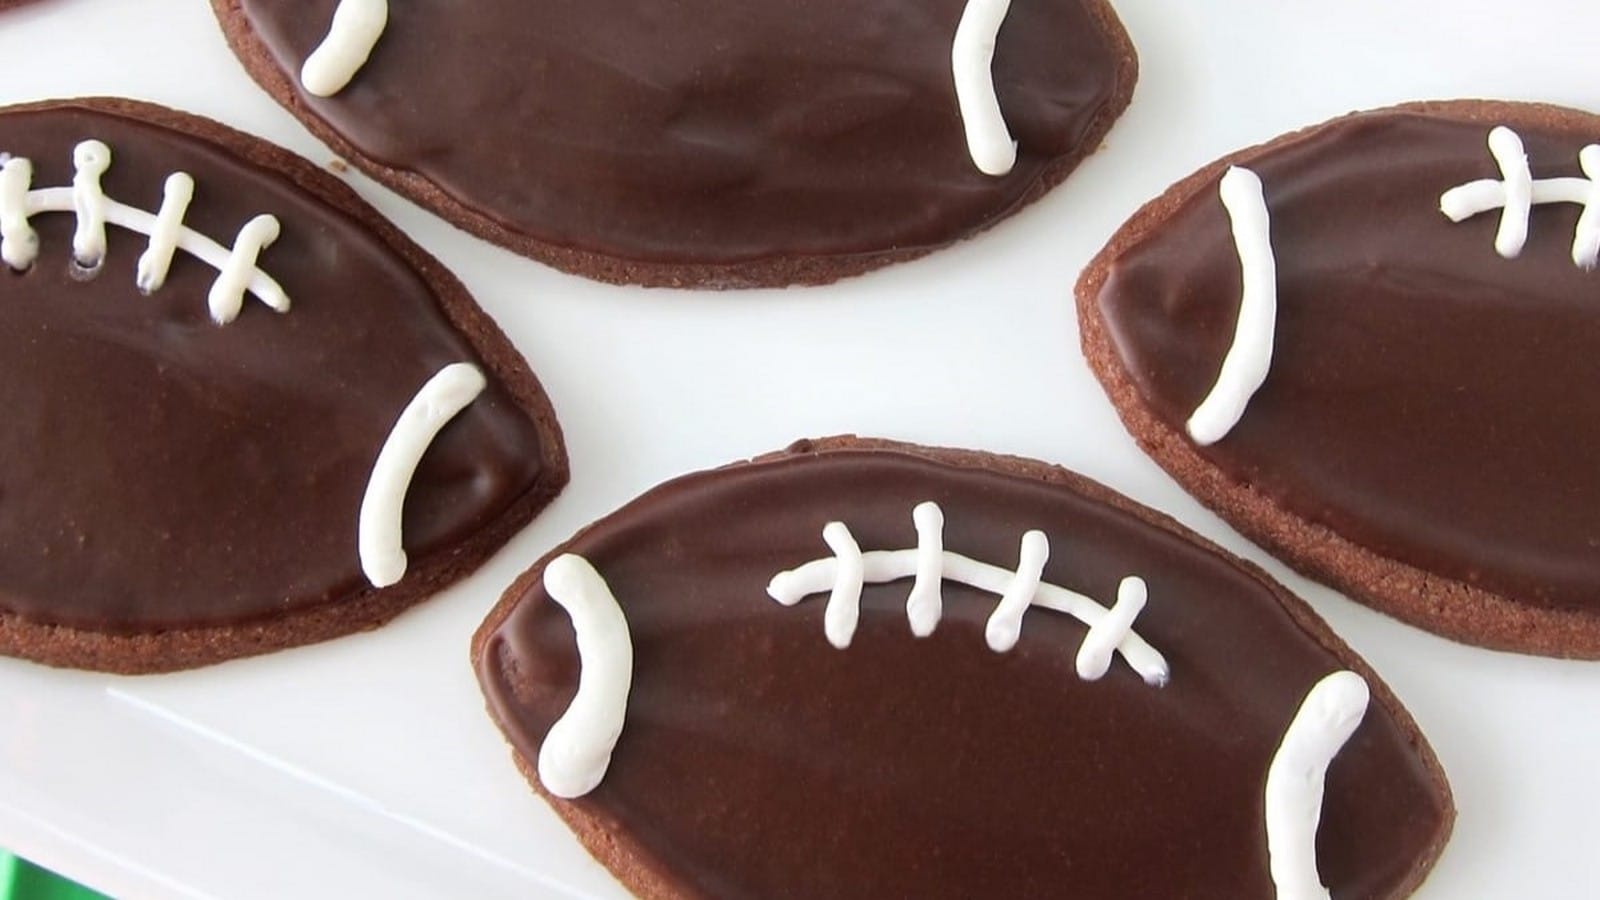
{"x": 366, "y": 767}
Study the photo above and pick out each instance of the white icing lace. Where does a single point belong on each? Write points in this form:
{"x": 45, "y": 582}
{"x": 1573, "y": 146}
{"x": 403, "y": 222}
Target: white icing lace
{"x": 1516, "y": 192}
{"x": 237, "y": 270}
{"x": 844, "y": 575}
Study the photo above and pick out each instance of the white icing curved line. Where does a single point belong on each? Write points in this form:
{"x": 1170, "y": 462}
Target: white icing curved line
{"x": 972, "y": 62}
{"x": 19, "y": 243}
{"x": 844, "y": 603}
{"x": 1094, "y": 655}
{"x": 1249, "y": 359}
{"x": 1326, "y": 720}
{"x": 1004, "y": 627}
{"x": 156, "y": 260}
{"x": 356, "y": 27}
{"x": 577, "y": 750}
{"x": 881, "y": 566}
{"x": 91, "y": 159}
{"x": 447, "y": 393}
{"x": 1516, "y": 193}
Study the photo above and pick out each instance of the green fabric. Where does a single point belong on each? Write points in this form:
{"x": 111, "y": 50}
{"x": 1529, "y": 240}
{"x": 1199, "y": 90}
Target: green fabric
{"x": 22, "y": 880}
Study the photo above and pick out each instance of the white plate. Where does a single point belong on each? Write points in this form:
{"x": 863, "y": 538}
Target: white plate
{"x": 367, "y": 767}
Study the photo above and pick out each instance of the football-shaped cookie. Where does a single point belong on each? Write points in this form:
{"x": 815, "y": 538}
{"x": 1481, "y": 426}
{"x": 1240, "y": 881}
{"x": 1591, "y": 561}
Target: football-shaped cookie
{"x": 244, "y": 412}
{"x": 1371, "y": 346}
{"x": 708, "y": 143}
{"x": 862, "y": 669}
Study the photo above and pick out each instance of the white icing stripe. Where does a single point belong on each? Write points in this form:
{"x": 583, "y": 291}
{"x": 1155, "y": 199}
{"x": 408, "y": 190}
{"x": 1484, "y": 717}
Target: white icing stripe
{"x": 972, "y": 62}
{"x": 1094, "y": 656}
{"x": 90, "y": 159}
{"x": 882, "y": 566}
{"x": 1249, "y": 359}
{"x": 156, "y": 260}
{"x": 925, "y": 604}
{"x": 19, "y": 243}
{"x": 844, "y": 603}
{"x": 577, "y": 750}
{"x": 1326, "y": 720}
{"x": 356, "y": 27}
{"x": 1516, "y": 193}
{"x": 447, "y": 393}
{"x": 227, "y": 292}
{"x": 1509, "y": 154}
{"x": 1004, "y": 627}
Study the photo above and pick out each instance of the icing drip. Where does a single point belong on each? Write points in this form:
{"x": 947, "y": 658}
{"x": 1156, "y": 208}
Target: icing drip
{"x": 1245, "y": 367}
{"x": 1516, "y": 193}
{"x": 846, "y": 573}
{"x": 577, "y": 750}
{"x": 1327, "y": 718}
{"x": 356, "y": 27}
{"x": 972, "y": 62}
{"x": 446, "y": 394}
{"x": 236, "y": 267}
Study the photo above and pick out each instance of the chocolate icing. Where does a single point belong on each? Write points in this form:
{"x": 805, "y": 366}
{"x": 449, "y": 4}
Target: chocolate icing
{"x": 707, "y": 131}
{"x": 1428, "y": 399}
{"x": 159, "y": 471}
{"x": 758, "y": 761}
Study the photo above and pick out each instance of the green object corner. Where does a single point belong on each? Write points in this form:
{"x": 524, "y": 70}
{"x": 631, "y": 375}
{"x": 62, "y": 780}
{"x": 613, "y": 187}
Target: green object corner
{"x": 22, "y": 880}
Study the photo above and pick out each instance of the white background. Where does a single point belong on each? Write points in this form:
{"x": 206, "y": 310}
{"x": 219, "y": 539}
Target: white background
{"x": 367, "y": 767}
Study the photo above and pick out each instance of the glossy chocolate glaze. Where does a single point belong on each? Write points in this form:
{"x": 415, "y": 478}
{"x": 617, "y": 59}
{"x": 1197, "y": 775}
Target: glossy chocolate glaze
{"x": 157, "y": 470}
{"x": 1428, "y": 399}
{"x": 758, "y": 761}
{"x": 707, "y": 130}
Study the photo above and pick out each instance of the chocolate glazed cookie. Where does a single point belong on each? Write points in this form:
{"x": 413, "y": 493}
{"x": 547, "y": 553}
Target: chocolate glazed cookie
{"x": 708, "y": 143}
{"x": 858, "y": 669}
{"x": 243, "y": 411}
{"x": 1373, "y": 346}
